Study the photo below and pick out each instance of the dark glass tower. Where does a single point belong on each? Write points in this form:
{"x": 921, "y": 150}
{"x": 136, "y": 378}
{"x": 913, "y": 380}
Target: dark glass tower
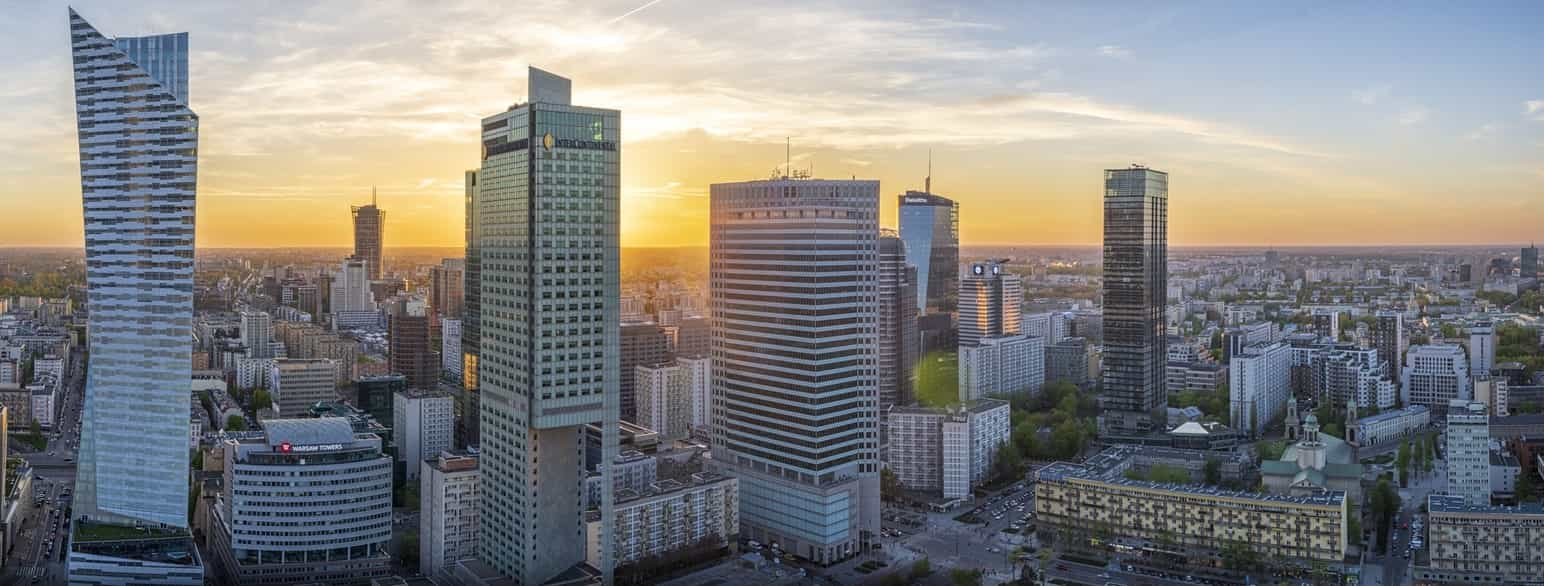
{"x": 898, "y": 338}
{"x": 930, "y": 226}
{"x": 1136, "y": 278}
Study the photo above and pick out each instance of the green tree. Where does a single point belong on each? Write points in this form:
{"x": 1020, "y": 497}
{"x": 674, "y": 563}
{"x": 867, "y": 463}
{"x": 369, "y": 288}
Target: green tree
{"x": 261, "y": 399}
{"x": 1403, "y": 463}
{"x": 1213, "y": 471}
{"x": 1008, "y": 464}
{"x": 889, "y": 485}
{"x": 198, "y": 459}
{"x": 1385, "y": 506}
{"x": 1449, "y": 331}
{"x": 235, "y": 423}
{"x": 921, "y": 569}
{"x": 964, "y": 577}
{"x": 35, "y": 428}
{"x": 1270, "y": 450}
{"x": 1527, "y": 487}
{"x": 407, "y": 549}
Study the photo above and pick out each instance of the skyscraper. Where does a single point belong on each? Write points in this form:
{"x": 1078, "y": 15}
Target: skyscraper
{"x": 1468, "y": 452}
{"x": 470, "y": 423}
{"x": 641, "y": 344}
{"x": 793, "y": 286}
{"x": 1482, "y": 348}
{"x": 411, "y": 350}
{"x": 138, "y": 197}
{"x": 369, "y": 229}
{"x": 1529, "y": 263}
{"x": 898, "y": 338}
{"x": 353, "y": 303}
{"x": 1136, "y": 274}
{"x": 1388, "y": 337}
{"x": 547, "y": 211}
{"x": 990, "y": 303}
{"x": 930, "y": 225}
{"x": 446, "y": 294}
{"x": 257, "y": 334}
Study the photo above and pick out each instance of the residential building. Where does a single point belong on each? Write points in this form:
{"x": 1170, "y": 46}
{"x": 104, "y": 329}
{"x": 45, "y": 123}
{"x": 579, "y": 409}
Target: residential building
{"x": 643, "y": 344}
{"x": 299, "y": 383}
{"x": 423, "y": 425}
{"x": 269, "y": 527}
{"x": 1481, "y": 544}
{"x": 369, "y": 236}
{"x": 1467, "y": 452}
{"x": 1259, "y": 386}
{"x": 669, "y": 518}
{"x": 1494, "y": 392}
{"x": 138, "y": 198}
{"x": 1388, "y": 337}
{"x": 630, "y": 470}
{"x": 1038, "y": 324}
{"x": 1344, "y": 373}
{"x": 946, "y": 451}
{"x": 898, "y": 337}
{"x": 550, "y": 368}
{"x": 450, "y": 349}
{"x": 1136, "y": 275}
{"x": 449, "y": 497}
{"x": 1435, "y": 374}
{"x": 664, "y": 399}
{"x": 1388, "y": 426}
{"x": 18, "y": 405}
{"x": 353, "y": 303}
{"x": 257, "y": 334}
{"x": 701, "y": 384}
{"x": 822, "y": 393}
{"x": 1002, "y": 366}
{"x": 1482, "y": 348}
{"x": 930, "y": 227}
{"x": 1326, "y": 324}
{"x": 1067, "y": 360}
{"x": 1199, "y": 521}
{"x": 989, "y": 303}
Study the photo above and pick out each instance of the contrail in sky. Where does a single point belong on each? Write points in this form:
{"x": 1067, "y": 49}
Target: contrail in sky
{"x": 634, "y": 11}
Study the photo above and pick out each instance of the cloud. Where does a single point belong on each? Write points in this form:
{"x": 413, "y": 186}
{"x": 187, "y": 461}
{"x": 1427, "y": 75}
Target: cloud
{"x": 1413, "y": 115}
{"x": 425, "y": 183}
{"x": 1371, "y": 95}
{"x": 1485, "y": 131}
{"x": 669, "y": 190}
{"x": 1534, "y": 109}
{"x": 1115, "y": 51}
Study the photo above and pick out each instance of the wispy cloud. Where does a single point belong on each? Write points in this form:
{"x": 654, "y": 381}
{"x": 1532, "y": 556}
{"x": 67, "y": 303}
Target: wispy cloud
{"x": 1534, "y": 109}
{"x": 1412, "y": 115}
{"x": 1116, "y": 51}
{"x": 1371, "y": 95}
{"x": 1484, "y": 131}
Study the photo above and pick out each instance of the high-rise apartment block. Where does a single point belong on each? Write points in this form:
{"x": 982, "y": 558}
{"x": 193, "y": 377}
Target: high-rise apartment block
{"x": 793, "y": 279}
{"x": 257, "y": 334}
{"x": 423, "y": 425}
{"x": 547, "y": 218}
{"x": 1260, "y": 385}
{"x": 1435, "y": 374}
{"x": 643, "y": 344}
{"x": 898, "y": 337}
{"x": 664, "y": 399}
{"x": 449, "y": 497}
{"x": 989, "y": 303}
{"x": 353, "y": 303}
{"x": 138, "y": 143}
{"x": 446, "y": 294}
{"x": 930, "y": 226}
{"x": 1388, "y": 337}
{"x": 1482, "y": 348}
{"x": 369, "y": 234}
{"x": 1136, "y": 275}
{"x": 1004, "y": 365}
{"x": 450, "y": 349}
{"x": 946, "y": 450}
{"x": 1468, "y": 452}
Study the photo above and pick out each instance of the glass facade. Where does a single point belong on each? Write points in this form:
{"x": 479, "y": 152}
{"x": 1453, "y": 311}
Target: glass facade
{"x": 1135, "y": 292}
{"x": 930, "y": 226}
{"x": 138, "y": 199}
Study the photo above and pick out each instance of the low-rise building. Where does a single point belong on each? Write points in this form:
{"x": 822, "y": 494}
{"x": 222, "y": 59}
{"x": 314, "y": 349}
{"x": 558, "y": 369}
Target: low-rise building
{"x": 1481, "y": 544}
{"x": 1079, "y": 502}
{"x": 669, "y": 519}
{"x": 1388, "y": 426}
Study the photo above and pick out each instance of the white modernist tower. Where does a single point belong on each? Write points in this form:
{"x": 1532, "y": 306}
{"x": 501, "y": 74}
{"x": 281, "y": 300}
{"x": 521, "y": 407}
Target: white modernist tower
{"x": 547, "y": 213}
{"x": 138, "y": 172}
{"x": 794, "y": 289}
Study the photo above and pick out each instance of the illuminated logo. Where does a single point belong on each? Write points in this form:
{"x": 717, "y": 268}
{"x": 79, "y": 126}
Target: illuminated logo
{"x": 978, "y": 269}
{"x": 286, "y": 448}
{"x": 547, "y": 141}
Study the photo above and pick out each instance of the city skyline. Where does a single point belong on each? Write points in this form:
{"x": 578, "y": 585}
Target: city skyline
{"x": 1022, "y": 109}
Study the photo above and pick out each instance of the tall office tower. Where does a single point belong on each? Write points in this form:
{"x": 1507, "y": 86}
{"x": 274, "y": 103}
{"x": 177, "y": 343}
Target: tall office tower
{"x": 411, "y": 353}
{"x": 447, "y": 523}
{"x": 1002, "y": 365}
{"x": 423, "y": 425}
{"x": 471, "y": 291}
{"x": 1528, "y": 265}
{"x": 353, "y": 304}
{"x": 1482, "y": 348}
{"x": 794, "y": 294}
{"x": 1388, "y": 337}
{"x": 1260, "y": 385}
{"x": 1465, "y": 273}
{"x": 701, "y": 377}
{"x": 693, "y": 336}
{"x": 1326, "y": 324}
{"x": 642, "y": 344}
{"x": 138, "y": 196}
{"x": 257, "y": 334}
{"x": 930, "y": 225}
{"x": 369, "y": 230}
{"x": 445, "y": 287}
{"x": 898, "y": 338}
{"x": 300, "y": 383}
{"x": 547, "y": 210}
{"x": 990, "y": 303}
{"x": 325, "y": 539}
{"x": 1435, "y": 374}
{"x": 1272, "y": 260}
{"x": 1468, "y": 452}
{"x": 1136, "y": 275}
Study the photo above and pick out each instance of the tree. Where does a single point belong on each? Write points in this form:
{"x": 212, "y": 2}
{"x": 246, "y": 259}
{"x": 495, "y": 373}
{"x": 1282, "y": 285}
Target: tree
{"x": 1008, "y": 463}
{"x": 235, "y": 423}
{"x": 964, "y": 577}
{"x": 35, "y": 428}
{"x": 1527, "y": 487}
{"x": 1403, "y": 461}
{"x": 261, "y": 400}
{"x": 889, "y": 485}
{"x": 407, "y": 550}
{"x": 1449, "y": 331}
{"x": 1385, "y": 507}
{"x": 1213, "y": 471}
{"x": 1270, "y": 450}
{"x": 198, "y": 459}
{"x": 920, "y": 569}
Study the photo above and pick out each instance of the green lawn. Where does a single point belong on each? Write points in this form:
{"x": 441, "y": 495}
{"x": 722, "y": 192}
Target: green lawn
{"x": 938, "y": 379}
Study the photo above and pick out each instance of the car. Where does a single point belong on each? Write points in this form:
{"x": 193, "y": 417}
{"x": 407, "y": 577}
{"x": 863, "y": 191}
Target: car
{"x": 1062, "y": 567}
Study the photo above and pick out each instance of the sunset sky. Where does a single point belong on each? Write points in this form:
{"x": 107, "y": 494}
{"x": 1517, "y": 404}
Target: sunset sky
{"x": 1280, "y": 123}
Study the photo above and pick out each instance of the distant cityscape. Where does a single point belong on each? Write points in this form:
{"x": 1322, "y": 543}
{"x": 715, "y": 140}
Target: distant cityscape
{"x": 822, "y": 395}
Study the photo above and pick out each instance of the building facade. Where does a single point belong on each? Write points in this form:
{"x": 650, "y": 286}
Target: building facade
{"x": 930, "y": 227}
{"x": 547, "y": 212}
{"x": 1067, "y": 360}
{"x": 1468, "y": 452}
{"x": 643, "y": 344}
{"x": 299, "y": 383}
{"x": 665, "y": 399}
{"x": 1136, "y": 274}
{"x": 989, "y": 303}
{"x": 899, "y": 342}
{"x": 1388, "y": 426}
{"x": 793, "y": 283}
{"x": 1482, "y": 348}
{"x": 1435, "y": 374}
{"x": 669, "y": 517}
{"x": 1259, "y": 386}
{"x": 447, "y": 514}
{"x": 1484, "y": 544}
{"x": 369, "y": 234}
{"x": 423, "y": 426}
{"x": 1005, "y": 365}
{"x": 947, "y": 451}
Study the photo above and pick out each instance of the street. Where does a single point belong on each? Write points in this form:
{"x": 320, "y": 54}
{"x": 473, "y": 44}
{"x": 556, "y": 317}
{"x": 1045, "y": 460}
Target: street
{"x": 37, "y": 553}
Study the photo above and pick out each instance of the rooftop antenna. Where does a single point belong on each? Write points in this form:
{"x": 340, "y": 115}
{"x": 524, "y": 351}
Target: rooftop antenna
{"x": 927, "y": 183}
{"x": 372, "y": 196}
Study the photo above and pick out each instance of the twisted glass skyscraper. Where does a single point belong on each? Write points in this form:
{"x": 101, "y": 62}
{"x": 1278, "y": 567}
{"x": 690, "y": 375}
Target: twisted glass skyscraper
{"x": 138, "y": 170}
